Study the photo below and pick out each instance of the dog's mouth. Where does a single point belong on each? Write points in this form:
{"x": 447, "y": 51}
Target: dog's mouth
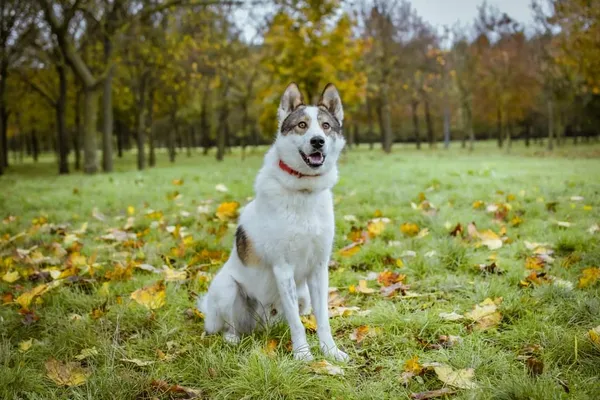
{"x": 313, "y": 160}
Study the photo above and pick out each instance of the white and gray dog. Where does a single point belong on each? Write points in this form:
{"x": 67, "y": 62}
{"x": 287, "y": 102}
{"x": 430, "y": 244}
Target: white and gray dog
{"x": 279, "y": 261}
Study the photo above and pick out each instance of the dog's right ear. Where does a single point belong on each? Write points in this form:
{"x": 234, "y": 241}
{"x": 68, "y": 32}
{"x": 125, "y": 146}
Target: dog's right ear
{"x": 290, "y": 101}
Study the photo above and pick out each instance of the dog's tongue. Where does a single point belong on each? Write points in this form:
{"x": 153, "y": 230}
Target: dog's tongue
{"x": 316, "y": 158}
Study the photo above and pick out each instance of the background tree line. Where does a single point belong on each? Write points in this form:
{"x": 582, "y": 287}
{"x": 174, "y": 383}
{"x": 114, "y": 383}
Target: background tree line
{"x": 92, "y": 79}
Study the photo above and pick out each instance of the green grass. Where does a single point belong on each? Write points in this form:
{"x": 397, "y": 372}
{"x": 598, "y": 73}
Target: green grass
{"x": 553, "y": 317}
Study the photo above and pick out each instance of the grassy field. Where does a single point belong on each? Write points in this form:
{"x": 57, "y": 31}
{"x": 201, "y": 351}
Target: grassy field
{"x": 531, "y": 340}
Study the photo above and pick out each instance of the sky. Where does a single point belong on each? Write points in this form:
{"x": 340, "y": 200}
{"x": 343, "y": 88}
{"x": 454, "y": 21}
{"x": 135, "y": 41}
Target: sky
{"x": 447, "y": 12}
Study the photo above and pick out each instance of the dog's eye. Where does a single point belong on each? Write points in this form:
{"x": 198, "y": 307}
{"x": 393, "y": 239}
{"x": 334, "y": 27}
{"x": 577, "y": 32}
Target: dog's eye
{"x": 302, "y": 125}
{"x": 326, "y": 125}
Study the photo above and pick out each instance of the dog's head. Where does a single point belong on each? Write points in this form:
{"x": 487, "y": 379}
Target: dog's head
{"x": 309, "y": 138}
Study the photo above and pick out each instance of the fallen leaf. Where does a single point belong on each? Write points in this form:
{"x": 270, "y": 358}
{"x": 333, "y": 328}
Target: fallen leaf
{"x": 491, "y": 268}
{"x": 453, "y": 316}
{"x": 594, "y": 335}
{"x": 151, "y": 297}
{"x": 363, "y": 288}
{"x": 564, "y": 224}
{"x": 227, "y": 211}
{"x": 593, "y": 229}
{"x": 577, "y": 198}
{"x": 362, "y": 332}
{"x": 221, "y": 188}
{"x": 350, "y": 250}
{"x": 375, "y": 228}
{"x": 485, "y": 314}
{"x": 432, "y": 394}
{"x": 138, "y": 362}
{"x": 11, "y": 276}
{"x": 535, "y": 366}
{"x": 177, "y": 182}
{"x": 589, "y": 277}
{"x": 25, "y": 345}
{"x": 350, "y": 218}
{"x": 98, "y": 215}
{"x": 387, "y": 278}
{"x": 179, "y": 391}
{"x": 66, "y": 374}
{"x": 409, "y": 229}
{"x": 87, "y": 353}
{"x": 271, "y": 347}
{"x": 457, "y": 230}
{"x": 461, "y": 379}
{"x": 412, "y": 365}
{"x": 478, "y": 204}
{"x": 490, "y": 239}
{"x": 326, "y": 368}
{"x": 172, "y": 275}
{"x": 391, "y": 290}
{"x": 534, "y": 263}
{"x": 26, "y": 298}
{"x": 309, "y": 322}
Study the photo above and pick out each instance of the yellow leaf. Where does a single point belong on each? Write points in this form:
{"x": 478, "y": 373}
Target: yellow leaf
{"x": 490, "y": 239}
{"x": 595, "y": 335}
{"x": 485, "y": 314}
{"x": 11, "y": 276}
{"x": 66, "y": 374}
{"x": 271, "y": 347}
{"x": 587, "y": 208}
{"x": 86, "y": 353}
{"x": 589, "y": 277}
{"x": 359, "y": 334}
{"x": 227, "y": 210}
{"x": 399, "y": 263}
{"x": 478, "y": 204}
{"x": 326, "y": 368}
{"x": 26, "y": 298}
{"x": 461, "y": 378}
{"x": 412, "y": 365}
{"x": 362, "y": 287}
{"x": 350, "y": 250}
{"x": 151, "y": 297}
{"x": 177, "y": 182}
{"x": 409, "y": 229}
{"x": 309, "y": 322}
{"x": 130, "y": 210}
{"x": 534, "y": 263}
{"x": 25, "y": 345}
{"x": 172, "y": 275}
{"x": 375, "y": 228}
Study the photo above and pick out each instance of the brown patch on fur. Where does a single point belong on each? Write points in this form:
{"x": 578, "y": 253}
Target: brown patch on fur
{"x": 245, "y": 249}
{"x": 290, "y": 123}
{"x": 325, "y": 116}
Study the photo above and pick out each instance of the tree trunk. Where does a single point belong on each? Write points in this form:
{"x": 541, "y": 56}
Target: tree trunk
{"x": 3, "y": 116}
{"x": 527, "y": 134}
{"x": 499, "y": 127}
{"x": 223, "y": 131}
{"x": 429, "y": 123}
{"x": 550, "y": 125}
{"x": 90, "y": 113}
{"x": 141, "y": 121}
{"x": 78, "y": 130}
{"x": 171, "y": 137}
{"x": 204, "y": 120}
{"x": 385, "y": 120}
{"x": 370, "y": 118}
{"x": 189, "y": 141}
{"x": 62, "y": 138}
{"x": 35, "y": 145}
{"x": 107, "y": 123}
{"x": 119, "y": 128}
{"x": 446, "y": 124}
{"x": 414, "y": 106}
{"x": 149, "y": 131}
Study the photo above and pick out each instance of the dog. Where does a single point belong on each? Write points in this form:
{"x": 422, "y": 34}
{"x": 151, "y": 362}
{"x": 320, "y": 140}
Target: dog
{"x": 284, "y": 238}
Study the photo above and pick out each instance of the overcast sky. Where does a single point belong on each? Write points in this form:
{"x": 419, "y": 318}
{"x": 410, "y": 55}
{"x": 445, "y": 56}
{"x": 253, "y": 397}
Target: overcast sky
{"x": 447, "y": 12}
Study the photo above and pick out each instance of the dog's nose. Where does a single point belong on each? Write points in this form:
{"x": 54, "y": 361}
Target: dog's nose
{"x": 317, "y": 142}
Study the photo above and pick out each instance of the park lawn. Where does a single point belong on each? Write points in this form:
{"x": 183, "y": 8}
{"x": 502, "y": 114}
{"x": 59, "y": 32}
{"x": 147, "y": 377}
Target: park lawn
{"x": 532, "y": 343}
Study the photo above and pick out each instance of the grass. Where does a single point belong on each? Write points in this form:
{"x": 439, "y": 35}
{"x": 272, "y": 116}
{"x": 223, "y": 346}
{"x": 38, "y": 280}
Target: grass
{"x": 552, "y": 316}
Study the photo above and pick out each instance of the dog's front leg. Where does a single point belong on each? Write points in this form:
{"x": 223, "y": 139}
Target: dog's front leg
{"x": 284, "y": 275}
{"x": 318, "y": 285}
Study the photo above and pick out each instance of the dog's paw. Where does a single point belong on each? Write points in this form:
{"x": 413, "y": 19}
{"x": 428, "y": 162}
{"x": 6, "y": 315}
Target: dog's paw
{"x": 336, "y": 354}
{"x": 303, "y": 355}
{"x": 231, "y": 338}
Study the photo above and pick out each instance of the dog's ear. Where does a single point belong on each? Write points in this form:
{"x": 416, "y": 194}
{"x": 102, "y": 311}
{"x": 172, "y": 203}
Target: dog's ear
{"x": 330, "y": 99}
{"x": 290, "y": 101}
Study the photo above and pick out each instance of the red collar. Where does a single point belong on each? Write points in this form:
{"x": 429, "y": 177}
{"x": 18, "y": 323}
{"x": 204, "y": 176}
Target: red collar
{"x": 293, "y": 172}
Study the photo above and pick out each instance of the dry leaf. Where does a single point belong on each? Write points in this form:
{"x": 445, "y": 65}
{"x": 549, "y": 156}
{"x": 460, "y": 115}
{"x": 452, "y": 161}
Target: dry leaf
{"x": 461, "y": 379}
{"x": 363, "y": 288}
{"x": 594, "y": 335}
{"x": 181, "y": 392}
{"x": 362, "y": 332}
{"x": 387, "y": 278}
{"x": 350, "y": 250}
{"x": 391, "y": 290}
{"x": 271, "y": 347}
{"x": 177, "y": 182}
{"x": 485, "y": 314}
{"x": 534, "y": 263}
{"x": 25, "y": 345}
{"x": 151, "y": 297}
{"x": 451, "y": 316}
{"x": 66, "y": 374}
{"x": 227, "y": 211}
{"x": 11, "y": 276}
{"x": 375, "y": 227}
{"x": 409, "y": 229}
{"x": 86, "y": 353}
{"x": 593, "y": 229}
{"x": 221, "y": 188}
{"x": 432, "y": 394}
{"x": 589, "y": 277}
{"x": 309, "y": 322}
{"x": 172, "y": 275}
{"x": 326, "y": 368}
{"x": 412, "y": 366}
{"x": 138, "y": 362}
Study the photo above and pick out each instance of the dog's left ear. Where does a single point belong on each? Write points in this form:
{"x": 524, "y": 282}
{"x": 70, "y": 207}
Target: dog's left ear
{"x": 330, "y": 99}
{"x": 290, "y": 101}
